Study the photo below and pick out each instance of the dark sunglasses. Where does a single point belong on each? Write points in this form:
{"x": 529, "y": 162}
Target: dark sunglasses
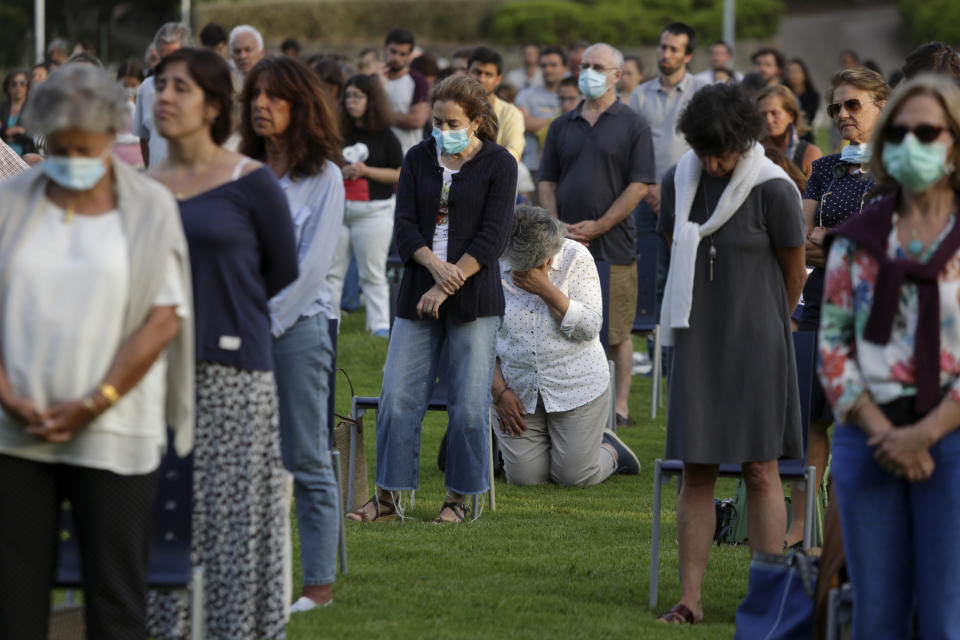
{"x": 925, "y": 133}
{"x": 852, "y": 105}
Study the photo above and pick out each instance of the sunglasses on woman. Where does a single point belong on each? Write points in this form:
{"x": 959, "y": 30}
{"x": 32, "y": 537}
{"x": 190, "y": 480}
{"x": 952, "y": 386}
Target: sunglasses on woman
{"x": 853, "y": 107}
{"x": 925, "y": 133}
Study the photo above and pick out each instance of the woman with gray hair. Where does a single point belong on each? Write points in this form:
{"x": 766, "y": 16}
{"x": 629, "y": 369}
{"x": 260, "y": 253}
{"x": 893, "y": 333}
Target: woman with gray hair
{"x": 96, "y": 359}
{"x": 553, "y": 407}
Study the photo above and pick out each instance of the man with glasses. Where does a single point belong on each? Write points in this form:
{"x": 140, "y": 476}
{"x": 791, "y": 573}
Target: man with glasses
{"x": 597, "y": 164}
{"x": 661, "y": 101}
{"x": 486, "y": 67}
{"x": 539, "y": 104}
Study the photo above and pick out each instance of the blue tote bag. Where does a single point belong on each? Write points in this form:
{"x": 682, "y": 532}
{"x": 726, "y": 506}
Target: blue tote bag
{"x": 779, "y": 602}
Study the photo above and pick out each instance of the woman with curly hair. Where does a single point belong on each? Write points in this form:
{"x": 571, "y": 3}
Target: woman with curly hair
{"x": 454, "y": 217}
{"x": 289, "y": 123}
{"x": 736, "y": 271}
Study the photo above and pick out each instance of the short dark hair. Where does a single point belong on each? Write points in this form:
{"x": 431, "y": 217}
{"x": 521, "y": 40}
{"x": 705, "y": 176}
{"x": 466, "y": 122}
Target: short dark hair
{"x": 399, "y": 35}
{"x": 290, "y": 43}
{"x": 212, "y": 74}
{"x": 725, "y": 45}
{"x": 330, "y": 71}
{"x": 425, "y": 64}
{"x": 851, "y": 53}
{"x": 131, "y": 68}
{"x": 807, "y": 81}
{"x": 776, "y": 53}
{"x": 683, "y": 29}
{"x": 486, "y": 55}
{"x": 720, "y": 119}
{"x": 376, "y": 118}
{"x": 213, "y": 34}
{"x": 465, "y": 52}
{"x": 13, "y": 74}
{"x": 569, "y": 81}
{"x": 554, "y": 51}
{"x": 934, "y": 57}
{"x": 578, "y": 45}
{"x": 635, "y": 60}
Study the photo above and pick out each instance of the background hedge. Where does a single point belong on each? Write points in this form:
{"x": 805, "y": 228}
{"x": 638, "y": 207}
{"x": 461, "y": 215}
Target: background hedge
{"x": 932, "y": 20}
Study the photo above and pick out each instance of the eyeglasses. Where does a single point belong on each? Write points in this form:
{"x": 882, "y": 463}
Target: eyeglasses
{"x": 925, "y": 133}
{"x": 853, "y": 107}
{"x": 18, "y": 83}
{"x": 569, "y": 98}
{"x": 597, "y": 67}
{"x": 353, "y": 97}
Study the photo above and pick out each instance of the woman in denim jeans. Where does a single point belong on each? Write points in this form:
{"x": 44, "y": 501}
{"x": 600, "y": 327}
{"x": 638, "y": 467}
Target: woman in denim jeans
{"x": 889, "y": 352}
{"x": 453, "y": 219}
{"x": 289, "y": 123}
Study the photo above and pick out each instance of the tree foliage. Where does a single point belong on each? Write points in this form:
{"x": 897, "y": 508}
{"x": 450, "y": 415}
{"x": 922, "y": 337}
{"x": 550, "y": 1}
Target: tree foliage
{"x": 932, "y": 20}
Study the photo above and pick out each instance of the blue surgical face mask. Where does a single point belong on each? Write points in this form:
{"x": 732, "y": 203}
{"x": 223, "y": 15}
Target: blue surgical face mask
{"x": 453, "y": 141}
{"x": 856, "y": 153}
{"x": 592, "y": 84}
{"x": 76, "y": 174}
{"x": 913, "y": 164}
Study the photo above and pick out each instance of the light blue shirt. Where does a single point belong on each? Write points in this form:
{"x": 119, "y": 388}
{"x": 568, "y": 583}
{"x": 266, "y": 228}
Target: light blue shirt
{"x": 316, "y": 204}
{"x": 662, "y": 108}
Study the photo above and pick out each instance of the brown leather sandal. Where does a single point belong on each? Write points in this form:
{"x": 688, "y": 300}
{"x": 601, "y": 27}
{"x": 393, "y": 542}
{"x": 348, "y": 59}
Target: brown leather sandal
{"x": 459, "y": 512}
{"x": 383, "y": 511}
{"x": 680, "y": 614}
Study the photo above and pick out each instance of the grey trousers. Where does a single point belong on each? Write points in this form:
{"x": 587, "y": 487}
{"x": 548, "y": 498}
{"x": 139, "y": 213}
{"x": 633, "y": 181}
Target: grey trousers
{"x": 563, "y": 447}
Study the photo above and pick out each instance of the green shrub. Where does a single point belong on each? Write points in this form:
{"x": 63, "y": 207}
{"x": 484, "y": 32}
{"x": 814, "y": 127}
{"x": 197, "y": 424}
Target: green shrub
{"x": 932, "y": 20}
{"x": 627, "y": 22}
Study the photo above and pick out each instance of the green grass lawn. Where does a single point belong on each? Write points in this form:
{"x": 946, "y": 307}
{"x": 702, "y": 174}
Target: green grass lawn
{"x": 549, "y": 562}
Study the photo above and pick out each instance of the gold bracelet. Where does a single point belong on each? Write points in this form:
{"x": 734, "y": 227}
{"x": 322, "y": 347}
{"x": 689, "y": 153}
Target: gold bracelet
{"x": 91, "y": 406}
{"x": 109, "y": 392}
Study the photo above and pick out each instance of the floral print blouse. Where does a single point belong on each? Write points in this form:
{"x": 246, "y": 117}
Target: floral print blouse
{"x": 850, "y": 365}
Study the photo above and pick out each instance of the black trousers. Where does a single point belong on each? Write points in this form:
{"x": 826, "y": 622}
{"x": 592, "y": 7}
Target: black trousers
{"x": 112, "y": 517}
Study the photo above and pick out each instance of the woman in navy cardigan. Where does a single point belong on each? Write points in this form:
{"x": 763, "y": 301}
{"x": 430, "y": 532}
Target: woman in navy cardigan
{"x": 453, "y": 219}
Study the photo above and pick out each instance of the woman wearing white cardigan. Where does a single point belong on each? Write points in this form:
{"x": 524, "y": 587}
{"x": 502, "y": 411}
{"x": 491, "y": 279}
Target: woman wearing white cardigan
{"x": 97, "y": 359}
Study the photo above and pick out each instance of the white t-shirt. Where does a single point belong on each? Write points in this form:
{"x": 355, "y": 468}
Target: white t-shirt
{"x": 65, "y": 301}
{"x": 143, "y": 126}
{"x": 441, "y": 232}
{"x": 404, "y": 92}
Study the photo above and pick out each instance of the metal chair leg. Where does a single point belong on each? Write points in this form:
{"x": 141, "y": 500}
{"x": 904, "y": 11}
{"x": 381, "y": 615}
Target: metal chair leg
{"x": 833, "y": 603}
{"x": 809, "y": 509}
{"x": 197, "y": 630}
{"x": 655, "y": 534}
{"x": 352, "y": 462}
{"x": 342, "y": 536}
{"x": 612, "y": 418}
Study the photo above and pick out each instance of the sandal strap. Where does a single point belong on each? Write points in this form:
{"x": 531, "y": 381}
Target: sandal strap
{"x": 458, "y": 508}
{"x": 376, "y": 502}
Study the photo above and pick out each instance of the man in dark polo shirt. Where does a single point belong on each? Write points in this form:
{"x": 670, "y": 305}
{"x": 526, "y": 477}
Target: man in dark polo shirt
{"x": 596, "y": 165}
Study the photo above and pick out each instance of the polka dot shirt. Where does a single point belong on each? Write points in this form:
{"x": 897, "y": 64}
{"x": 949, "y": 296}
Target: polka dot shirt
{"x": 838, "y": 197}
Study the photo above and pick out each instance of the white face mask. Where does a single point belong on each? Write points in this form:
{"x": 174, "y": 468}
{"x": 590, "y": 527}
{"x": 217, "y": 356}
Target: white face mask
{"x": 76, "y": 174}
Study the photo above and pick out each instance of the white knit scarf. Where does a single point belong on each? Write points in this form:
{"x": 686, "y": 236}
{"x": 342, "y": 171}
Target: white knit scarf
{"x": 752, "y": 168}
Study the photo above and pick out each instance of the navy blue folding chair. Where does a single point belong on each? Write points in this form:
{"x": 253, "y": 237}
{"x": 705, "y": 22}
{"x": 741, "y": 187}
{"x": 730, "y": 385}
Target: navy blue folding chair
{"x": 170, "y": 566}
{"x": 804, "y": 348}
{"x": 647, "y": 318}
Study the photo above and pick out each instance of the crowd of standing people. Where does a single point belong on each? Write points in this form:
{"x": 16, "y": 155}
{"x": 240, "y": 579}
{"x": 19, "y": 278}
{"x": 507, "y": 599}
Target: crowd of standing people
{"x": 182, "y": 247}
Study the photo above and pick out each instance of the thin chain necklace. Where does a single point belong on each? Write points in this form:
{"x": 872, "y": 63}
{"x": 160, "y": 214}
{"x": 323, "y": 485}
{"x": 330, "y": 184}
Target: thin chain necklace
{"x": 712, "y": 253}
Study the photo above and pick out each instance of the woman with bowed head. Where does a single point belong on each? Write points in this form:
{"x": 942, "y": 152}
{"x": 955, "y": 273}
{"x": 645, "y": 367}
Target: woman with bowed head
{"x": 97, "y": 359}
{"x": 241, "y": 240}
{"x": 889, "y": 347}
{"x": 453, "y": 219}
{"x": 374, "y": 156}
{"x": 736, "y": 271}
{"x": 289, "y": 123}
{"x": 12, "y": 128}
{"x": 784, "y": 126}
{"x": 837, "y": 190}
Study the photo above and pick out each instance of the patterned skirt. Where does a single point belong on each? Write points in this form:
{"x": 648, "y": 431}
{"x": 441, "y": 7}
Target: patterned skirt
{"x": 239, "y": 511}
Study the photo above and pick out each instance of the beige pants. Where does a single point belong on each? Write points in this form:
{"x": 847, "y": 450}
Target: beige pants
{"x": 563, "y": 447}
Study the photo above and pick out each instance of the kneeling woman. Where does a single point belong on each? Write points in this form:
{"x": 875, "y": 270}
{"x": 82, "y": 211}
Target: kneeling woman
{"x": 552, "y": 407}
{"x": 453, "y": 219}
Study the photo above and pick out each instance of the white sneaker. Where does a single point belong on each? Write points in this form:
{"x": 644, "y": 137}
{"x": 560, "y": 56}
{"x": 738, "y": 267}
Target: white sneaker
{"x": 641, "y": 363}
{"x": 306, "y": 604}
